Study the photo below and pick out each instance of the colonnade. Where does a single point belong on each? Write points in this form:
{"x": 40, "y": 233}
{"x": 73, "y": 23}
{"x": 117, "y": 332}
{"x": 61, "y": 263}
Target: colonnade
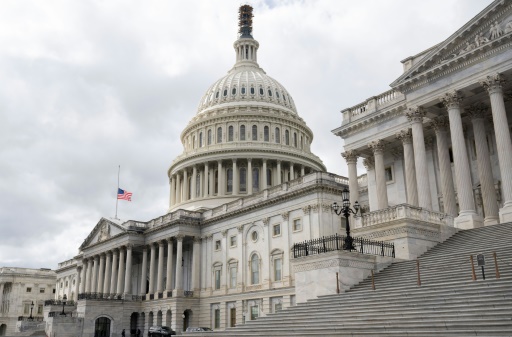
{"x": 110, "y": 273}
{"x": 415, "y": 160}
{"x": 233, "y": 177}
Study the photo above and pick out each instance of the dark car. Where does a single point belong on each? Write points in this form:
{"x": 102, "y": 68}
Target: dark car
{"x": 198, "y": 329}
{"x": 157, "y": 331}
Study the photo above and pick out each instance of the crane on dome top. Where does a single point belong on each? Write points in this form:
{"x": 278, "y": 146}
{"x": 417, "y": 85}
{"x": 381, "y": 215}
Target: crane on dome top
{"x": 245, "y": 21}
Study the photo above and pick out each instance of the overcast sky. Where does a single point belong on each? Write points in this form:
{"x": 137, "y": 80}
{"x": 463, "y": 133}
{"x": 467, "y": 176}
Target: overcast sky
{"x": 86, "y": 86}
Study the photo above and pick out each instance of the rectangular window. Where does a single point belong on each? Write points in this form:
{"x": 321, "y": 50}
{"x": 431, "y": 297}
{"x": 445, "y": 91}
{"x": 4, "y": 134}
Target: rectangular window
{"x": 217, "y": 245}
{"x": 217, "y": 279}
{"x": 41, "y": 290}
{"x": 217, "y": 318}
{"x": 39, "y": 309}
{"x": 53, "y": 291}
{"x": 278, "y": 266}
{"x": 276, "y": 230}
{"x": 388, "y": 172}
{"x": 278, "y": 306}
{"x": 26, "y": 308}
{"x": 232, "y": 277}
{"x": 29, "y": 290}
{"x": 254, "y": 312}
{"x": 297, "y": 225}
{"x": 232, "y": 241}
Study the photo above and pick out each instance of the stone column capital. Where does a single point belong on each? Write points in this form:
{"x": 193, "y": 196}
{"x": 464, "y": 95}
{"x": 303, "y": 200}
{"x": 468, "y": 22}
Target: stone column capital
{"x": 197, "y": 239}
{"x": 240, "y": 228}
{"x": 350, "y": 156}
{"x": 477, "y": 111}
{"x": 369, "y": 163}
{"x": 180, "y": 237}
{"x": 405, "y": 136}
{"x": 415, "y": 114}
{"x": 224, "y": 233}
{"x": 161, "y": 243}
{"x": 234, "y": 160}
{"x": 439, "y": 124}
{"x": 377, "y": 146}
{"x": 451, "y": 99}
{"x": 285, "y": 215}
{"x": 493, "y": 83}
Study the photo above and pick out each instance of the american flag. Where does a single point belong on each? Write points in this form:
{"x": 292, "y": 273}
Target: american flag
{"x": 124, "y": 195}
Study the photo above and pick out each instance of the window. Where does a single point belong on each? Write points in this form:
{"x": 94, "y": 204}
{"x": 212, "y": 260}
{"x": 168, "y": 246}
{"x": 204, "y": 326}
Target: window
{"x": 388, "y": 172}
{"x": 229, "y": 180}
{"x": 200, "y": 139}
{"x": 255, "y": 269}
{"x": 29, "y": 290}
{"x": 243, "y": 179}
{"x": 233, "y": 91}
{"x": 297, "y": 225}
{"x": 278, "y": 136}
{"x": 217, "y": 94}
{"x": 265, "y": 134}
{"x": 254, "y": 236}
{"x": 278, "y": 306}
{"x": 232, "y": 241}
{"x": 295, "y": 139}
{"x": 287, "y": 137}
{"x": 276, "y": 230}
{"x": 269, "y": 93}
{"x": 254, "y": 312}
{"x": 254, "y": 132}
{"x": 269, "y": 177}
{"x": 193, "y": 142}
{"x": 66, "y": 284}
{"x": 277, "y": 94}
{"x": 217, "y": 318}
{"x": 278, "y": 266}
{"x": 261, "y": 91}
{"x": 252, "y": 90}
{"x": 255, "y": 179}
{"x": 217, "y": 245}
{"x": 26, "y": 308}
{"x": 301, "y": 146}
{"x": 243, "y": 90}
{"x": 217, "y": 279}
{"x": 230, "y": 133}
{"x": 242, "y": 132}
{"x": 219, "y": 135}
{"x": 225, "y": 92}
{"x": 39, "y": 309}
{"x": 53, "y": 291}
{"x": 198, "y": 185}
{"x": 41, "y": 290}
{"x": 209, "y": 137}
{"x": 232, "y": 277}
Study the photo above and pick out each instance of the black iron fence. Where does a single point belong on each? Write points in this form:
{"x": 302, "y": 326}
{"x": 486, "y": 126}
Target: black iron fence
{"x": 188, "y": 293}
{"x": 59, "y": 314}
{"x": 109, "y": 297}
{"x": 58, "y": 302}
{"x": 31, "y": 319}
{"x": 337, "y": 242}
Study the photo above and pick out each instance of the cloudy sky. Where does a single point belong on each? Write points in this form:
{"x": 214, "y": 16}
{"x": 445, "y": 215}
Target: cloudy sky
{"x": 86, "y": 86}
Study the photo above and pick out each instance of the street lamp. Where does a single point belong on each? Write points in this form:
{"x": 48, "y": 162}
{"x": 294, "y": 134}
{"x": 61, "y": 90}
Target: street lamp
{"x": 64, "y": 299}
{"x": 346, "y": 210}
{"x": 31, "y": 308}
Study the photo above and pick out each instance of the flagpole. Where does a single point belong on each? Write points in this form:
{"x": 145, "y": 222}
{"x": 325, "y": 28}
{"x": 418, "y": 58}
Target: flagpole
{"x": 117, "y": 191}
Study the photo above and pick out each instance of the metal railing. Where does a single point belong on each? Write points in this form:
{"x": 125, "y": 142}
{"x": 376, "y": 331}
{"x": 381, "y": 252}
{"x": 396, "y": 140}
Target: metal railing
{"x": 109, "y": 297}
{"x": 336, "y": 242}
{"x": 189, "y": 293}
{"x": 33, "y": 319}
{"x": 59, "y": 313}
{"x": 58, "y": 302}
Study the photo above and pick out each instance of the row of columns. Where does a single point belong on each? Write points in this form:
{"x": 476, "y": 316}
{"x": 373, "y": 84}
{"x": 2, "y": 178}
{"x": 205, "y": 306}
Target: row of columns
{"x": 179, "y": 186}
{"x": 417, "y": 178}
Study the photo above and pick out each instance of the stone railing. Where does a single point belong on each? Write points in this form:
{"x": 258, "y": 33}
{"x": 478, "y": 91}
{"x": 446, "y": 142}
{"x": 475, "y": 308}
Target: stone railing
{"x": 403, "y": 212}
{"x": 67, "y": 263}
{"x": 162, "y": 220}
{"x": 371, "y": 105}
{"x": 362, "y": 180}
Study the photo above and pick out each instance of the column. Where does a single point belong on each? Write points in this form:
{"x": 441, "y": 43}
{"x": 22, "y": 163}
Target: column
{"x": 101, "y": 274}
{"x": 205, "y": 180}
{"x": 477, "y": 113}
{"x": 120, "y": 274}
{"x": 113, "y": 280}
{"x": 152, "y": 270}
{"x": 369, "y": 164}
{"x": 128, "y": 272}
{"x": 94, "y": 278}
{"x": 279, "y": 182}
{"x": 249, "y": 176}
{"x": 82, "y": 278}
{"x": 468, "y": 218}
{"x": 220, "y": 182}
{"x": 108, "y": 271}
{"x": 160, "y": 275}
{"x": 170, "y": 248}
{"x": 77, "y": 284}
{"x": 196, "y": 264}
{"x": 186, "y": 185}
{"x": 410, "y": 172}
{"x": 264, "y": 175}
{"x": 178, "y": 287}
{"x": 173, "y": 190}
{"x": 236, "y": 180}
{"x": 351, "y": 159}
{"x": 212, "y": 181}
{"x": 1, "y": 296}
{"x": 178, "y": 188}
{"x": 377, "y": 147}
{"x": 494, "y": 86}
{"x": 194, "y": 182}
{"x": 415, "y": 116}
{"x": 302, "y": 170}
{"x": 292, "y": 172}
{"x": 144, "y": 276}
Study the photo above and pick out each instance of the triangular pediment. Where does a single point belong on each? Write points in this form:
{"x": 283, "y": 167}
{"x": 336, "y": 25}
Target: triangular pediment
{"x": 104, "y": 230}
{"x": 486, "y": 33}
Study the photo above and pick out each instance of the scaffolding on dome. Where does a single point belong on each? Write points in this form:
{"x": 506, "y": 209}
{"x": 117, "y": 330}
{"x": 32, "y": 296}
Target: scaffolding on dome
{"x": 245, "y": 20}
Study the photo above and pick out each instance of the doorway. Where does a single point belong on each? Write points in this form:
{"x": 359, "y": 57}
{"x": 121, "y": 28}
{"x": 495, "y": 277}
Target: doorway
{"x": 232, "y": 317}
{"x": 102, "y": 327}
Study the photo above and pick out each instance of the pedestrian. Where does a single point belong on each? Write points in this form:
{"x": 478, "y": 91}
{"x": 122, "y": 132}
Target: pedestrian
{"x": 138, "y": 332}
{"x": 123, "y": 334}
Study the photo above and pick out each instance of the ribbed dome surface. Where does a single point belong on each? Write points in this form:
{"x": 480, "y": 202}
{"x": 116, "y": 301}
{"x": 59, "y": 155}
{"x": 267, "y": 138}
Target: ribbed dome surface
{"x": 246, "y": 84}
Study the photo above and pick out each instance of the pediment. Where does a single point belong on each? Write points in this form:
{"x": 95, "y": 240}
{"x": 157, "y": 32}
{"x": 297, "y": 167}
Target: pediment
{"x": 104, "y": 230}
{"x": 485, "y": 34}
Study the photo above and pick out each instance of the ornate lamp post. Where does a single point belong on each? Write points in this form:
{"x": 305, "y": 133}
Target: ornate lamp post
{"x": 31, "y": 308}
{"x": 346, "y": 210}
{"x": 64, "y": 299}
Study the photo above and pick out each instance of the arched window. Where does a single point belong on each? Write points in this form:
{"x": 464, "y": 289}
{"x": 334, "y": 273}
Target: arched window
{"x": 278, "y": 136}
{"x": 233, "y": 91}
{"x": 189, "y": 192}
{"x": 243, "y": 179}
{"x": 287, "y": 137}
{"x": 255, "y": 179}
{"x": 243, "y": 90}
{"x": 269, "y": 93}
{"x": 254, "y": 132}
{"x": 198, "y": 185}
{"x": 200, "y": 139}
{"x": 261, "y": 91}
{"x": 252, "y": 90}
{"x": 230, "y": 133}
{"x": 242, "y": 132}
{"x": 219, "y": 135}
{"x": 209, "y": 137}
{"x": 301, "y": 144}
{"x": 269, "y": 177}
{"x": 216, "y": 189}
{"x": 194, "y": 142}
{"x": 229, "y": 180}
{"x": 295, "y": 139}
{"x": 255, "y": 269}
{"x": 265, "y": 133}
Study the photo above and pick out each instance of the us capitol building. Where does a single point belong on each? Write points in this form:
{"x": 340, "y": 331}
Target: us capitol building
{"x": 438, "y": 153}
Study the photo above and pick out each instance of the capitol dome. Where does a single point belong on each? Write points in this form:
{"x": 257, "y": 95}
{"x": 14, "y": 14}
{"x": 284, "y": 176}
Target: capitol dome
{"x": 245, "y": 137}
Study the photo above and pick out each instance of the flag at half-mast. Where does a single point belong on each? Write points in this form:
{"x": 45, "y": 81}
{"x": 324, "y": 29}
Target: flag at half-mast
{"x": 124, "y": 195}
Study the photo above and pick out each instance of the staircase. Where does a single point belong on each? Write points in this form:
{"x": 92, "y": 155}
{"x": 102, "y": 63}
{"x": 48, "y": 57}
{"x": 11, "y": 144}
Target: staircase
{"x": 448, "y": 302}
